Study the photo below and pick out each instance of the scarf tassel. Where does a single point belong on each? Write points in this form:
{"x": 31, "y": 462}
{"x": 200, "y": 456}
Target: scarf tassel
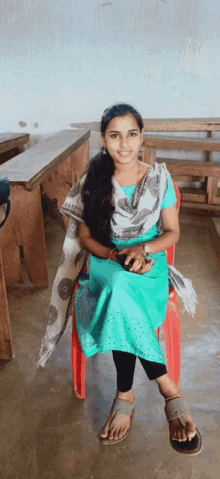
{"x": 183, "y": 287}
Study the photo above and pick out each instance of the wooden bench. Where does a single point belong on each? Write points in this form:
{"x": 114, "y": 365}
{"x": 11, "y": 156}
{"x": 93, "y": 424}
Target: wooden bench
{"x": 50, "y": 168}
{"x": 187, "y": 170}
{"x": 11, "y": 144}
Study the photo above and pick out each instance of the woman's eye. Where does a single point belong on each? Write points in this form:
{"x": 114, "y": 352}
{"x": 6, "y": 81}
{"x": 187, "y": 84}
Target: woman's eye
{"x": 114, "y": 135}
{"x": 133, "y": 134}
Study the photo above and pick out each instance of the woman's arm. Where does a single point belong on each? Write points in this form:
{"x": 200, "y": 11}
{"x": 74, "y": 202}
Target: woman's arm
{"x": 171, "y": 233}
{"x": 88, "y": 243}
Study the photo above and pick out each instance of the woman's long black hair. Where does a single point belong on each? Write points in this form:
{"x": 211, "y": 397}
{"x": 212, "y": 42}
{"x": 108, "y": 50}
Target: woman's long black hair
{"x": 97, "y": 189}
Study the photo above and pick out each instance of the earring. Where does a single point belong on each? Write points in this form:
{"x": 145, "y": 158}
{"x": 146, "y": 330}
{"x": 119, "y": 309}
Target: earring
{"x": 104, "y": 151}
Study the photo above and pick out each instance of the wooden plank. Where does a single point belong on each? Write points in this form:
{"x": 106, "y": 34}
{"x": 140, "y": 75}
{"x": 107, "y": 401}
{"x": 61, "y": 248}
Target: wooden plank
{"x": 188, "y": 178}
{"x": 200, "y": 206}
{"x": 32, "y": 232}
{"x": 149, "y": 155}
{"x": 163, "y": 124}
{"x": 183, "y": 143}
{"x": 214, "y": 232}
{"x": 216, "y": 200}
{"x": 212, "y": 187}
{"x": 5, "y": 329}
{"x": 208, "y": 154}
{"x": 182, "y": 124}
{"x": 24, "y": 227}
{"x": 189, "y": 193}
{"x": 8, "y": 141}
{"x": 193, "y": 197}
{"x": 11, "y": 260}
{"x": 38, "y": 162}
{"x": 192, "y": 168}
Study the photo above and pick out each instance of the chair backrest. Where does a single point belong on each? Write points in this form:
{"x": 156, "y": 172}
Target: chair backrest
{"x": 170, "y": 252}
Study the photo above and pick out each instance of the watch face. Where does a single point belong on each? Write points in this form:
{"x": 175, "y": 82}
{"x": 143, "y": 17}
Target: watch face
{"x": 147, "y": 249}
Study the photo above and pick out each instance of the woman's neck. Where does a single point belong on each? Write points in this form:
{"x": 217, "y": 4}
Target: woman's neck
{"x": 128, "y": 178}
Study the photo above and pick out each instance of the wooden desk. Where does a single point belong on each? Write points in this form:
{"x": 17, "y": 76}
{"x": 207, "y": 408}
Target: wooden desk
{"x": 12, "y": 144}
{"x": 207, "y": 199}
{"x": 182, "y": 124}
{"x": 49, "y": 167}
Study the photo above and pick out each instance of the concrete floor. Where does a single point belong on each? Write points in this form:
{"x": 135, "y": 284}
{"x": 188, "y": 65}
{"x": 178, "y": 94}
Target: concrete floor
{"x": 47, "y": 433}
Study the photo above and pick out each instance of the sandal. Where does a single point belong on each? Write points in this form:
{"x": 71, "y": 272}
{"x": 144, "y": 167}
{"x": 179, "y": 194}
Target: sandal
{"x": 175, "y": 408}
{"x": 120, "y": 407}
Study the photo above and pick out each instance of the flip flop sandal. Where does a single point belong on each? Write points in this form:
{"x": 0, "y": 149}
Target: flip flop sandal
{"x": 175, "y": 408}
{"x": 120, "y": 407}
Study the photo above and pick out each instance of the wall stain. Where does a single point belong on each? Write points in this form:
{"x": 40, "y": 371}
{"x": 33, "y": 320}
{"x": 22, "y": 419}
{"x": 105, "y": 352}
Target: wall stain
{"x": 22, "y": 123}
{"x": 35, "y": 125}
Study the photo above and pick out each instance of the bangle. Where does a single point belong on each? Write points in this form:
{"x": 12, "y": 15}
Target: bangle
{"x": 111, "y": 252}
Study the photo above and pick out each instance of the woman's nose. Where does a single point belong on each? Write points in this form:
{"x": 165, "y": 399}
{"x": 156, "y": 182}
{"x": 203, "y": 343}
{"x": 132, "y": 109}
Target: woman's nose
{"x": 123, "y": 142}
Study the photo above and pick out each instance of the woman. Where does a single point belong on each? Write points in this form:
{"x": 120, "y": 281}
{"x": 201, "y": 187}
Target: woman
{"x": 131, "y": 303}
{"x": 124, "y": 207}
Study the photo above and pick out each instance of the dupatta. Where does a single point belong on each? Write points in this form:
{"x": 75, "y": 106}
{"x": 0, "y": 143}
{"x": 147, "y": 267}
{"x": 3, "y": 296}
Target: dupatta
{"x": 131, "y": 219}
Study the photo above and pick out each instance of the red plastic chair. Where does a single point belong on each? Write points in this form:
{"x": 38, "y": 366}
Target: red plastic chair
{"x": 171, "y": 327}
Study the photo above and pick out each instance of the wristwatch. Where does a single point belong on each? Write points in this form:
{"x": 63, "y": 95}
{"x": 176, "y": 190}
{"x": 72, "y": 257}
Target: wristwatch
{"x": 147, "y": 249}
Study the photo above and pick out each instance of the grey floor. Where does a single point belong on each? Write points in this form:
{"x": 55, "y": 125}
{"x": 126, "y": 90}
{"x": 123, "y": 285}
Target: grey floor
{"x": 47, "y": 433}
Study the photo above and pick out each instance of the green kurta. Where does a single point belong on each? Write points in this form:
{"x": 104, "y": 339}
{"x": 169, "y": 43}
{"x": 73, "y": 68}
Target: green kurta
{"x": 119, "y": 309}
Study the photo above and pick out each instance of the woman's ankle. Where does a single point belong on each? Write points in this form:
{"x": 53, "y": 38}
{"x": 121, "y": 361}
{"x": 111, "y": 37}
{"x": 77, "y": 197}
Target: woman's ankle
{"x": 127, "y": 395}
{"x": 167, "y": 387}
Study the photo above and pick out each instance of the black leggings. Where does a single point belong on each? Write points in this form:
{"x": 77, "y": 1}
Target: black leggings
{"x": 125, "y": 365}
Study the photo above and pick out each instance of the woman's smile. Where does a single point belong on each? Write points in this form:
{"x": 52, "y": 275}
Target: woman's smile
{"x": 124, "y": 153}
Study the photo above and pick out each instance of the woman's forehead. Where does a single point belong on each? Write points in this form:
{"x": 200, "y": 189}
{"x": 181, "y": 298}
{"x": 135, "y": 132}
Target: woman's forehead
{"x": 123, "y": 123}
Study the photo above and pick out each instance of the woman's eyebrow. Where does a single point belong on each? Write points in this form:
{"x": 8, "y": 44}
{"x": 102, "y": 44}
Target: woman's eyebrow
{"x": 117, "y": 131}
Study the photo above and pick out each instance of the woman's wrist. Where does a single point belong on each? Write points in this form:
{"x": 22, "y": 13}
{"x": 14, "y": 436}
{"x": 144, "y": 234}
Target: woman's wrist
{"x": 162, "y": 242}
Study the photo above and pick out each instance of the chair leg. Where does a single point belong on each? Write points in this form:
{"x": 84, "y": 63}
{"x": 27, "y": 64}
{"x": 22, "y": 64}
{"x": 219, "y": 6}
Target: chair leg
{"x": 78, "y": 362}
{"x": 171, "y": 327}
{"x": 79, "y": 368}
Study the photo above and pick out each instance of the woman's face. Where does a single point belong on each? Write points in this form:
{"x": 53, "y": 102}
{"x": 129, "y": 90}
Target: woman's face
{"x": 123, "y": 139}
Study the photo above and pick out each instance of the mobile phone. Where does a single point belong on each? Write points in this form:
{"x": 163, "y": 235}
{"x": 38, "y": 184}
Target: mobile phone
{"x": 121, "y": 258}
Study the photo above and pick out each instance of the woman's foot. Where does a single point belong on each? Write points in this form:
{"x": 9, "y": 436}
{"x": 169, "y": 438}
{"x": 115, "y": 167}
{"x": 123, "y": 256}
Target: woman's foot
{"x": 122, "y": 424}
{"x": 169, "y": 390}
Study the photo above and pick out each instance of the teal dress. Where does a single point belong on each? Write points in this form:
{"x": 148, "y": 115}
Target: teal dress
{"x": 119, "y": 310}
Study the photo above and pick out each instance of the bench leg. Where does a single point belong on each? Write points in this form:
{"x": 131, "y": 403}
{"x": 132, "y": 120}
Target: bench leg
{"x": 212, "y": 187}
{"x": 149, "y": 155}
{"x": 25, "y": 221}
{"x": 11, "y": 258}
{"x": 32, "y": 228}
{"x": 5, "y": 330}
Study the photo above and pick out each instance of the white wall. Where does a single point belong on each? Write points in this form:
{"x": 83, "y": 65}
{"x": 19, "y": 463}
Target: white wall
{"x": 66, "y": 61}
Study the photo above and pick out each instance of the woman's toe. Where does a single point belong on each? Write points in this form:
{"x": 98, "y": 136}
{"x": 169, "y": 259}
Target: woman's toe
{"x": 104, "y": 432}
{"x": 191, "y": 432}
{"x": 184, "y": 436}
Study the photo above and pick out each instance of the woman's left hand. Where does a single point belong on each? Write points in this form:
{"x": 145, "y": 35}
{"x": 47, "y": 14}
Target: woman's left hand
{"x": 138, "y": 254}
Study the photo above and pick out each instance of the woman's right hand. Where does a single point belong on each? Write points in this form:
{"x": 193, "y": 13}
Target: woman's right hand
{"x": 143, "y": 269}
{"x": 147, "y": 267}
